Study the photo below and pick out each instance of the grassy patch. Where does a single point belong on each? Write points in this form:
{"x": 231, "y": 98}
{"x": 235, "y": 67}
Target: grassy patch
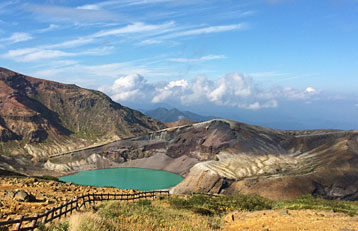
{"x": 45, "y": 177}
{"x": 145, "y": 215}
{"x": 197, "y": 212}
{"x": 208, "y": 205}
{"x": 63, "y": 226}
{"x": 315, "y": 203}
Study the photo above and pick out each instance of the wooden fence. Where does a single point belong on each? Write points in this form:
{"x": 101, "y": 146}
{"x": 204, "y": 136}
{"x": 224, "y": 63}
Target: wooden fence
{"x": 75, "y": 204}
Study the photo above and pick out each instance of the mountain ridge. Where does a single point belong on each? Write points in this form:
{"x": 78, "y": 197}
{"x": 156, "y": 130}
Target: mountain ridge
{"x": 36, "y": 111}
{"x": 223, "y": 156}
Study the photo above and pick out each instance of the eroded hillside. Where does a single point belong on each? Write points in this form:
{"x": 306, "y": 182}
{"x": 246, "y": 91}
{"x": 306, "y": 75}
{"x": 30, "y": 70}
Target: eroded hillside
{"x": 39, "y": 118}
{"x": 221, "y": 156}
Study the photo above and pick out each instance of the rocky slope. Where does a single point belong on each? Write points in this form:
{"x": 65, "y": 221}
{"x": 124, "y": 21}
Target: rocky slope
{"x": 39, "y": 118}
{"x": 221, "y": 156}
{"x": 47, "y": 194}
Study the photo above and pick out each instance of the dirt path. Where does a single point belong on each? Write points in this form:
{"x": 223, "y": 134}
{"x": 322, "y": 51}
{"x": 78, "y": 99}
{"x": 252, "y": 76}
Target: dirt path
{"x": 287, "y": 220}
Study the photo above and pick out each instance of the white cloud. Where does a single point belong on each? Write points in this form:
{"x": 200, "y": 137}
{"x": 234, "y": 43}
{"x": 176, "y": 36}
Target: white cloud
{"x": 49, "y": 28}
{"x": 17, "y": 37}
{"x": 132, "y": 86}
{"x": 206, "y": 30}
{"x": 150, "y": 42}
{"x": 36, "y": 54}
{"x": 5, "y": 5}
{"x": 173, "y": 88}
{"x": 89, "y": 7}
{"x": 71, "y": 43}
{"x": 138, "y": 27}
{"x": 233, "y": 90}
{"x": 122, "y": 3}
{"x": 142, "y": 2}
{"x": 33, "y": 54}
{"x": 311, "y": 90}
{"x": 60, "y": 13}
{"x": 229, "y": 87}
{"x": 289, "y": 93}
{"x": 73, "y": 72}
{"x": 201, "y": 59}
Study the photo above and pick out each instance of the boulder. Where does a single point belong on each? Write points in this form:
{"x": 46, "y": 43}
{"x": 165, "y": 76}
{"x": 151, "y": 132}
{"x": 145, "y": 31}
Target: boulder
{"x": 20, "y": 195}
{"x": 10, "y": 194}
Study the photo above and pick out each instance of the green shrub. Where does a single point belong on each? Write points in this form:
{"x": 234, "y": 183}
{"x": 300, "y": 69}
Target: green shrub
{"x": 210, "y": 205}
{"x": 145, "y": 202}
{"x": 64, "y": 226}
{"x": 48, "y": 178}
{"x": 311, "y": 202}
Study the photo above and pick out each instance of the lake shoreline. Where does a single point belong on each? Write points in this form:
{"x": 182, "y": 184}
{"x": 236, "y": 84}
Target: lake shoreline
{"x": 142, "y": 179}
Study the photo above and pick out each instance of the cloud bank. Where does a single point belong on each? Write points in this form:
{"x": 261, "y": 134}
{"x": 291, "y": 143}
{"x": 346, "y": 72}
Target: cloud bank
{"x": 233, "y": 90}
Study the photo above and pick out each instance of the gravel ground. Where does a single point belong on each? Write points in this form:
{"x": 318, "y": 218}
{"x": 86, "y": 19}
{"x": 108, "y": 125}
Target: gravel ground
{"x": 287, "y": 220}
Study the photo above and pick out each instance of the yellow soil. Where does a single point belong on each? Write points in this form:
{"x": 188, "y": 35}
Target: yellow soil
{"x": 48, "y": 194}
{"x": 284, "y": 220}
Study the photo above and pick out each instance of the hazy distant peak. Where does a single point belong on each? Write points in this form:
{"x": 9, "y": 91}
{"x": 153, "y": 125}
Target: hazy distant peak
{"x": 172, "y": 115}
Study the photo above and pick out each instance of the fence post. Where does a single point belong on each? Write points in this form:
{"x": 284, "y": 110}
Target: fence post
{"x": 76, "y": 198}
{"x": 18, "y": 225}
{"x": 94, "y": 200}
{"x": 44, "y": 219}
{"x": 71, "y": 206}
{"x": 51, "y": 214}
{"x": 34, "y": 222}
{"x": 108, "y": 196}
{"x": 66, "y": 208}
{"x": 60, "y": 214}
{"x": 83, "y": 200}
{"x": 89, "y": 200}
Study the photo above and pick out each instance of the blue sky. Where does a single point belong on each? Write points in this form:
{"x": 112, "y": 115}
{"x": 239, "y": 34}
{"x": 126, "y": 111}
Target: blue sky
{"x": 272, "y": 62}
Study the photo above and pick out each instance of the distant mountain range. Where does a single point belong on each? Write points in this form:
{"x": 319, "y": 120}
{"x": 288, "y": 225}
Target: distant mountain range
{"x": 172, "y": 115}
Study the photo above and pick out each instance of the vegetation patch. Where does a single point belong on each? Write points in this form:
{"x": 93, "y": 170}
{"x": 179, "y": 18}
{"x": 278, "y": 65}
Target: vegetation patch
{"x": 48, "y": 178}
{"x": 218, "y": 205}
{"x": 315, "y": 203}
{"x": 196, "y": 212}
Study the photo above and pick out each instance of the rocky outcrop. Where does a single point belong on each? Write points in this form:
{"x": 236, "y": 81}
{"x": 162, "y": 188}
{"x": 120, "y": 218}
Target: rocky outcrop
{"x": 20, "y": 195}
{"x": 42, "y": 118}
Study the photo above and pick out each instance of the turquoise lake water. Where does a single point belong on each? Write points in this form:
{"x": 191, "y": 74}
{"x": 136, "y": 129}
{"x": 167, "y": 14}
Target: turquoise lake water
{"x": 126, "y": 178}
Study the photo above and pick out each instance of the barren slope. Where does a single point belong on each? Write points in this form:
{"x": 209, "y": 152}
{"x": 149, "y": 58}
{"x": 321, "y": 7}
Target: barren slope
{"x": 221, "y": 156}
{"x": 39, "y": 118}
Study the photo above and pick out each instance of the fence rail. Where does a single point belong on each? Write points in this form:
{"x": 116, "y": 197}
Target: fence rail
{"x": 75, "y": 204}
